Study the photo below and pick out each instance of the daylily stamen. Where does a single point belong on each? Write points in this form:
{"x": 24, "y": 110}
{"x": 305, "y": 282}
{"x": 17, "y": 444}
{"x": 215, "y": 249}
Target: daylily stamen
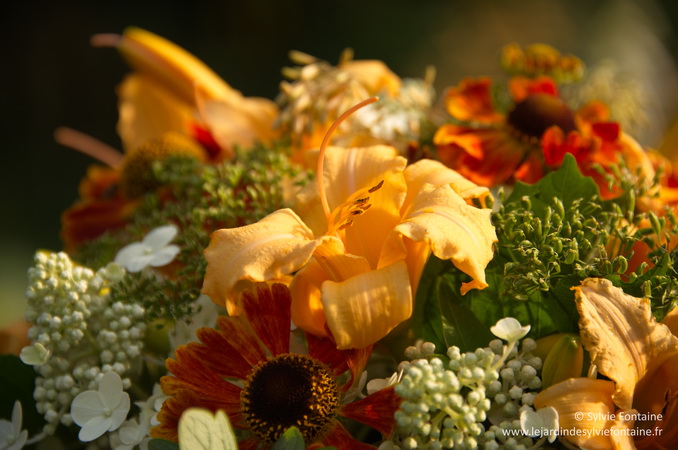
{"x": 377, "y": 187}
{"x": 88, "y": 145}
{"x": 321, "y": 155}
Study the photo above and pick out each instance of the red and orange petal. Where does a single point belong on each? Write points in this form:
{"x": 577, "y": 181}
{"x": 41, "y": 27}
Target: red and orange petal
{"x": 471, "y": 100}
{"x": 555, "y": 145}
{"x": 199, "y": 370}
{"x": 487, "y": 157}
{"x": 89, "y": 219}
{"x": 522, "y": 87}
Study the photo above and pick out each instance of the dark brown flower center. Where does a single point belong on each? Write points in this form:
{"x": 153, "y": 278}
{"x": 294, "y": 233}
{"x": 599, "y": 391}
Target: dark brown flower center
{"x": 289, "y": 390}
{"x": 534, "y": 115}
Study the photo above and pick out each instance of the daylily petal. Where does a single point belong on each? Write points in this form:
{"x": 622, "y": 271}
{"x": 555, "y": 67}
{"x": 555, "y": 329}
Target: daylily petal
{"x": 622, "y": 336}
{"x": 277, "y": 245}
{"x": 620, "y": 431}
{"x": 671, "y": 321}
{"x": 170, "y": 65}
{"x": 435, "y": 173}
{"x": 148, "y": 110}
{"x": 582, "y": 404}
{"x": 453, "y": 230}
{"x": 239, "y": 121}
{"x": 350, "y": 170}
{"x": 307, "y": 308}
{"x": 374, "y": 75}
{"x": 364, "y": 308}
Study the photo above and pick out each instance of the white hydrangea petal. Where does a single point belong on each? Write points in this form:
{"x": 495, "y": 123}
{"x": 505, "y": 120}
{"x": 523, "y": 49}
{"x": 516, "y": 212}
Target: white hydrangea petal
{"x": 34, "y": 355}
{"x": 120, "y": 412}
{"x": 531, "y": 423}
{"x": 20, "y": 441}
{"x": 94, "y": 428}
{"x": 86, "y": 406}
{"x": 110, "y": 387}
{"x": 129, "y": 253}
{"x": 509, "y": 329}
{"x": 6, "y": 432}
{"x": 139, "y": 263}
{"x": 17, "y": 414}
{"x": 164, "y": 256}
{"x": 161, "y": 236}
{"x": 549, "y": 419}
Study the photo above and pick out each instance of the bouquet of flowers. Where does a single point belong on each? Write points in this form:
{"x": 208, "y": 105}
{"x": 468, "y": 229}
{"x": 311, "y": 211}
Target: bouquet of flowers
{"x": 358, "y": 264}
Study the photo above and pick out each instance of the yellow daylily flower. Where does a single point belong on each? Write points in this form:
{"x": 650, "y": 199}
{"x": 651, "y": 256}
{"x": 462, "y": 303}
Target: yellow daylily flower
{"x": 638, "y": 408}
{"x": 356, "y": 244}
{"x": 180, "y": 92}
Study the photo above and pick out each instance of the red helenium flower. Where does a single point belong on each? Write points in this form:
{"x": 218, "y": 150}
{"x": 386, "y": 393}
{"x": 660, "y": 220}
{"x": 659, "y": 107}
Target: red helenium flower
{"x": 246, "y": 369}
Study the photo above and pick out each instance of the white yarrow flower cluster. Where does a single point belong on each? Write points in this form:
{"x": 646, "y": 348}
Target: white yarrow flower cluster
{"x": 78, "y": 333}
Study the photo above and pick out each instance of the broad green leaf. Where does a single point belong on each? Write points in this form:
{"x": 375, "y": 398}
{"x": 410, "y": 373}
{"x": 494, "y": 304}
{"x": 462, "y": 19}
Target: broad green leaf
{"x": 17, "y": 382}
{"x": 199, "y": 429}
{"x": 427, "y": 319}
{"x": 567, "y": 184}
{"x": 292, "y": 439}
{"x": 460, "y": 326}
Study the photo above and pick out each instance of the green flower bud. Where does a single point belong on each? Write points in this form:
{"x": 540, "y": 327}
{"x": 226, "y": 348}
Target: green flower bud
{"x": 565, "y": 360}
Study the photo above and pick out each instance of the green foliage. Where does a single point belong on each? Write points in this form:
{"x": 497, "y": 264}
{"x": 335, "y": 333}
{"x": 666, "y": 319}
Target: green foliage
{"x": 292, "y": 439}
{"x": 18, "y": 381}
{"x": 162, "y": 444}
{"x": 551, "y": 236}
{"x": 200, "y": 199}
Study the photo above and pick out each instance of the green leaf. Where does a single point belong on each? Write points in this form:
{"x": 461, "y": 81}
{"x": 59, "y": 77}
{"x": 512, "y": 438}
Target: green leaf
{"x": 162, "y": 444}
{"x": 460, "y": 326}
{"x": 427, "y": 318}
{"x": 567, "y": 184}
{"x": 17, "y": 381}
{"x": 292, "y": 439}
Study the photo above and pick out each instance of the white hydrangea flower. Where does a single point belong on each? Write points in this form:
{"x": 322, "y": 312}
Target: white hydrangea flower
{"x": 377, "y": 384}
{"x": 100, "y": 411}
{"x": 34, "y": 355}
{"x": 154, "y": 250}
{"x": 205, "y": 315}
{"x": 509, "y": 329}
{"x": 11, "y": 435}
{"x": 543, "y": 422}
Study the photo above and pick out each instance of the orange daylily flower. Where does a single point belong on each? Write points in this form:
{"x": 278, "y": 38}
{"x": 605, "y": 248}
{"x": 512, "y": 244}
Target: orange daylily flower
{"x": 178, "y": 91}
{"x": 246, "y": 368}
{"x": 491, "y": 148}
{"x": 640, "y": 358}
{"x": 357, "y": 243}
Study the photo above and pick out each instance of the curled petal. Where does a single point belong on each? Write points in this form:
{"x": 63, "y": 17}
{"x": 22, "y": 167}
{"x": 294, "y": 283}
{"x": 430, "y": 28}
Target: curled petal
{"x": 277, "y": 245}
{"x": 471, "y": 100}
{"x": 148, "y": 110}
{"x": 585, "y": 410}
{"x": 435, "y": 173}
{"x": 452, "y": 229}
{"x": 622, "y": 336}
{"x": 364, "y": 308}
{"x": 307, "y": 308}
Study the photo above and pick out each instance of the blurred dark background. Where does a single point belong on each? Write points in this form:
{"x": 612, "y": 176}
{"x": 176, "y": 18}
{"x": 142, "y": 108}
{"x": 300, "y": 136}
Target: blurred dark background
{"x": 53, "y": 77}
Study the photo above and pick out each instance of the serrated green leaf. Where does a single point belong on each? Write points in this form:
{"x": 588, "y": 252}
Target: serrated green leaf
{"x": 292, "y": 439}
{"x": 567, "y": 184}
{"x": 162, "y": 444}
